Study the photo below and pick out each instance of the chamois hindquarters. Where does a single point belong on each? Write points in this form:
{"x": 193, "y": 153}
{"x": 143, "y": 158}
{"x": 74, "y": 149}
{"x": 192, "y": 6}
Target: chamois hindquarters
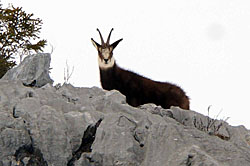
{"x": 166, "y": 95}
{"x": 177, "y": 97}
{"x": 185, "y": 103}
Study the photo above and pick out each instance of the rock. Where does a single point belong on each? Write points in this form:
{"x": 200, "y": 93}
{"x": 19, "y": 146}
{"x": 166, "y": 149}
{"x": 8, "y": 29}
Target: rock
{"x": 68, "y": 126}
{"x": 32, "y": 71}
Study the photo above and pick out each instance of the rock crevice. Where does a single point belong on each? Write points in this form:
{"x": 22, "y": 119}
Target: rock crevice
{"x": 87, "y": 141}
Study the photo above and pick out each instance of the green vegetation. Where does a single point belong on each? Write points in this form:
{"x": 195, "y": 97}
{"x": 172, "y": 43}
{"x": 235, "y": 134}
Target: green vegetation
{"x": 19, "y": 35}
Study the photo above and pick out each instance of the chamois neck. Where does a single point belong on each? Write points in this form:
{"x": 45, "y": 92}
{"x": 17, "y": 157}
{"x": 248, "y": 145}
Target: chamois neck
{"x": 107, "y": 77}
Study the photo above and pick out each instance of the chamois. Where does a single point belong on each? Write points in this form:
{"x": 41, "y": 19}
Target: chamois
{"x": 137, "y": 89}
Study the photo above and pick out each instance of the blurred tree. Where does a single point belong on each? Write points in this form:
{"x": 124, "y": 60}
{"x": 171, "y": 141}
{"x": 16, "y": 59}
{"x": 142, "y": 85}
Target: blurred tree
{"x": 19, "y": 35}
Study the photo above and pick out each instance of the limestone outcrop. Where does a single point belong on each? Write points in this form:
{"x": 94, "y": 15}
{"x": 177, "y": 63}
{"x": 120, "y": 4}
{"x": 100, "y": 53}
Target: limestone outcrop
{"x": 72, "y": 126}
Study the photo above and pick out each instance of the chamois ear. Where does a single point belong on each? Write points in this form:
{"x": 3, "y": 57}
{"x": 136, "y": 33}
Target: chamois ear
{"x": 116, "y": 43}
{"x": 95, "y": 44}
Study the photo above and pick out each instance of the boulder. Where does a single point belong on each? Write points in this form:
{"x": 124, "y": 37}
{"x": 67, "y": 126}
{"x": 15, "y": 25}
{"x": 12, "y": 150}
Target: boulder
{"x": 32, "y": 71}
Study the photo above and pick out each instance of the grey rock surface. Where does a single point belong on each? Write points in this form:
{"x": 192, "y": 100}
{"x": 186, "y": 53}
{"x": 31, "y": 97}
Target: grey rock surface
{"x": 71, "y": 126}
{"x": 32, "y": 71}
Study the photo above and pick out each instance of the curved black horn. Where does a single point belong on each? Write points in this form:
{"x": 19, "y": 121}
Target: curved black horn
{"x": 109, "y": 36}
{"x": 100, "y": 36}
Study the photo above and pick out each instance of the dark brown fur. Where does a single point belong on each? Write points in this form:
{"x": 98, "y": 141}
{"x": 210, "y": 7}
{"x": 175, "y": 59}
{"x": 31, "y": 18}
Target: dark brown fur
{"x": 140, "y": 90}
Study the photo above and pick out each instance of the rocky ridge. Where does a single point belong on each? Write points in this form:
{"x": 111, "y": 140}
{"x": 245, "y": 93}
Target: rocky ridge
{"x": 43, "y": 125}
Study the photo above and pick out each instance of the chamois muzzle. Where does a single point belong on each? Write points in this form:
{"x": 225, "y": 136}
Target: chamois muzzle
{"x": 106, "y": 61}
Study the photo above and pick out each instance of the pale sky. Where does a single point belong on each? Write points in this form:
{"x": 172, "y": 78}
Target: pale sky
{"x": 201, "y": 45}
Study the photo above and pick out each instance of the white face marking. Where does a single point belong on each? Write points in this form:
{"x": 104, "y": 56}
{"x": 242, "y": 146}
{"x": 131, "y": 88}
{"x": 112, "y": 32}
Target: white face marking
{"x": 105, "y": 53}
{"x": 106, "y": 64}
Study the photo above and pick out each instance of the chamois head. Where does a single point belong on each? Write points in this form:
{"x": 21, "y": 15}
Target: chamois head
{"x": 105, "y": 51}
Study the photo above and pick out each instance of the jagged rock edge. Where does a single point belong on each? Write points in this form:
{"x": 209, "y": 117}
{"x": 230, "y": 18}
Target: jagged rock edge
{"x": 87, "y": 141}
